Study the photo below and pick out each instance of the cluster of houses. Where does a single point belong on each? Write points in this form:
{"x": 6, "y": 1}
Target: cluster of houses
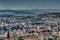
{"x": 41, "y": 29}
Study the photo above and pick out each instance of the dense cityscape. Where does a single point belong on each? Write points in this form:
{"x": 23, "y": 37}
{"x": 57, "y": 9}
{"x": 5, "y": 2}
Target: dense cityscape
{"x": 29, "y": 19}
{"x": 35, "y": 27}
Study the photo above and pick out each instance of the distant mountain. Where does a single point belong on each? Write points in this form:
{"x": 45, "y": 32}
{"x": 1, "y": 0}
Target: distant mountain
{"x": 27, "y": 12}
{"x": 15, "y": 12}
{"x": 42, "y": 11}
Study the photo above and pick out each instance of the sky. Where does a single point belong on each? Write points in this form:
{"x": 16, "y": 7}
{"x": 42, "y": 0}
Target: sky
{"x": 29, "y": 4}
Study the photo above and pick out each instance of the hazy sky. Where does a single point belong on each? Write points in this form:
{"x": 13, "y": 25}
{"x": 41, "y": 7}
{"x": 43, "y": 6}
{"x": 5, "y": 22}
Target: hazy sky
{"x": 29, "y": 4}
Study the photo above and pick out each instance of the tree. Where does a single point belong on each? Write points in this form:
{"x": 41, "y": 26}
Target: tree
{"x": 20, "y": 38}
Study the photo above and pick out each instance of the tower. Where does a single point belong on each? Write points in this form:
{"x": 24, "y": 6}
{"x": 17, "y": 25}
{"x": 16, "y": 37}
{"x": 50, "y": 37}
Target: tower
{"x": 8, "y": 35}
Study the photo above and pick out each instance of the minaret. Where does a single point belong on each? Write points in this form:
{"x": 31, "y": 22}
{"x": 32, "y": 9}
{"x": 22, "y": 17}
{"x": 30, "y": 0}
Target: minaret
{"x": 51, "y": 26}
{"x": 57, "y": 24}
{"x": 8, "y": 35}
